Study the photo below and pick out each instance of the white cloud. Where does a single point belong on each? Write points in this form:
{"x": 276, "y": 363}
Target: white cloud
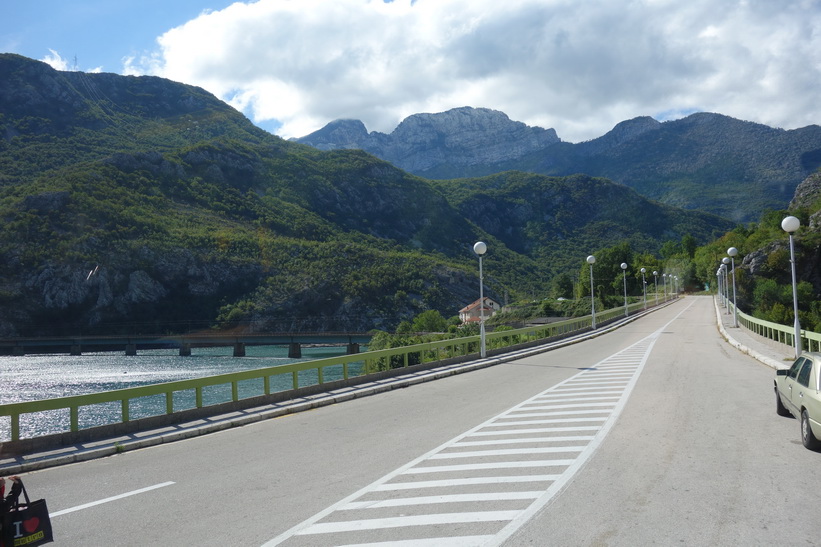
{"x": 579, "y": 67}
{"x": 58, "y": 63}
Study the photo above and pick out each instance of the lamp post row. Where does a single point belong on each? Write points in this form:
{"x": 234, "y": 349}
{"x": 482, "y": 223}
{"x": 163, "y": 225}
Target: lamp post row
{"x": 790, "y": 225}
{"x": 480, "y": 248}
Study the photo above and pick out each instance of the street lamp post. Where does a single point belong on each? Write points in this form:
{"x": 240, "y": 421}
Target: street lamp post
{"x": 790, "y": 225}
{"x": 644, "y": 286}
{"x": 718, "y": 284}
{"x": 480, "y": 248}
{"x": 723, "y": 269}
{"x": 624, "y": 275}
{"x": 732, "y": 251}
{"x": 664, "y": 280}
{"x": 592, "y": 260}
{"x": 656, "y": 285}
{"x": 726, "y": 263}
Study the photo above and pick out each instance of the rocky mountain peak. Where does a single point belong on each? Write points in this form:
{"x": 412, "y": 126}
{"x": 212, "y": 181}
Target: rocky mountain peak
{"x": 338, "y": 134}
{"x": 460, "y": 137}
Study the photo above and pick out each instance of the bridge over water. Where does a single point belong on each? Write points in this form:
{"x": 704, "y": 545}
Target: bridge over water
{"x": 656, "y": 432}
{"x": 132, "y": 344}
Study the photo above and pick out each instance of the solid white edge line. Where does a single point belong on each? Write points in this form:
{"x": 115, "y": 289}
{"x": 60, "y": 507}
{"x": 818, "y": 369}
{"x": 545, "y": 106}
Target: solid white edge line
{"x": 112, "y": 498}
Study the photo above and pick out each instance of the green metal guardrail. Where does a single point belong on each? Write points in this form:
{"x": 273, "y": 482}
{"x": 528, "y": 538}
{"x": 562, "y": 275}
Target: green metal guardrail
{"x": 783, "y": 334}
{"x": 373, "y": 360}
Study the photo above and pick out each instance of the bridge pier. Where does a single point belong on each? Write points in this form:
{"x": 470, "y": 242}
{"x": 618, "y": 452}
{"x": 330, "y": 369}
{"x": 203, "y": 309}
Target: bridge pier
{"x": 239, "y": 349}
{"x": 75, "y": 350}
{"x": 353, "y": 349}
{"x": 18, "y": 351}
{"x": 294, "y": 350}
{"x": 131, "y": 349}
{"x": 185, "y": 350}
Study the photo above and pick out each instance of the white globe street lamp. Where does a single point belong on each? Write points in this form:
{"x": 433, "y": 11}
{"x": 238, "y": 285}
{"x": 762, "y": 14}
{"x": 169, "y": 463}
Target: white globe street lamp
{"x": 656, "y": 285}
{"x": 592, "y": 260}
{"x": 732, "y": 251}
{"x": 726, "y": 263}
{"x": 624, "y": 276}
{"x": 480, "y": 248}
{"x": 790, "y": 225}
{"x": 644, "y": 286}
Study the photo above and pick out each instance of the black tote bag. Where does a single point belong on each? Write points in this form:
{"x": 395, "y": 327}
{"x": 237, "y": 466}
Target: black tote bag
{"x": 27, "y": 524}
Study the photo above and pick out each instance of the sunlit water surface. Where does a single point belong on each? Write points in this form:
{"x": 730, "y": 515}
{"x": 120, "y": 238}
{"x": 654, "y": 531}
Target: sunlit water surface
{"x": 34, "y": 377}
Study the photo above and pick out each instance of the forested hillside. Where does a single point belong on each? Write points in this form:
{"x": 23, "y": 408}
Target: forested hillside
{"x": 136, "y": 204}
{"x": 763, "y": 270}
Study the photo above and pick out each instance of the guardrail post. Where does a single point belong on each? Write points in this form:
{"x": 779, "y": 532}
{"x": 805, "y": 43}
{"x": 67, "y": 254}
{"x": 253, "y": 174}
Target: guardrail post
{"x": 235, "y": 391}
{"x": 169, "y": 402}
{"x": 198, "y": 392}
{"x": 296, "y": 379}
{"x": 15, "y": 427}
{"x": 266, "y": 384}
{"x": 125, "y": 414}
{"x": 74, "y": 413}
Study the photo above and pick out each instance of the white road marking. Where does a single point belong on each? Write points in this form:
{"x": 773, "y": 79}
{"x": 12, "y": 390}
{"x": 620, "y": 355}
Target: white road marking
{"x": 452, "y": 498}
{"x": 527, "y": 440}
{"x": 465, "y": 482}
{"x": 112, "y": 498}
{"x": 420, "y": 520}
{"x": 462, "y": 541}
{"x": 497, "y": 465}
{"x": 508, "y": 501}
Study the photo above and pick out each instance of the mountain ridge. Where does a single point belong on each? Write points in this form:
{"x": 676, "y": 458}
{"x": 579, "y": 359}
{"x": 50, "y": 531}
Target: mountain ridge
{"x": 702, "y": 161}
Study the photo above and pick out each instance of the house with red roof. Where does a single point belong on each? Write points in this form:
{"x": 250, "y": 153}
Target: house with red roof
{"x": 472, "y": 312}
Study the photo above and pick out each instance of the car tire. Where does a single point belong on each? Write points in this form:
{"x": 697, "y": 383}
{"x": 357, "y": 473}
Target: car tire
{"x": 780, "y": 409}
{"x": 807, "y": 436}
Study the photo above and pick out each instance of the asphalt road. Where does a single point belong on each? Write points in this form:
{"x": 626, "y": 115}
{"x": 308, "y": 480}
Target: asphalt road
{"x": 657, "y": 434}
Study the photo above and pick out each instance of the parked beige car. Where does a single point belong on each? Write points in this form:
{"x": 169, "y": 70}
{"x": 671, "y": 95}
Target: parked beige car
{"x": 798, "y": 393}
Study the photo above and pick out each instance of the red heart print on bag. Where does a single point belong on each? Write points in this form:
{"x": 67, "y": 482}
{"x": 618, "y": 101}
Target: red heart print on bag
{"x": 31, "y": 525}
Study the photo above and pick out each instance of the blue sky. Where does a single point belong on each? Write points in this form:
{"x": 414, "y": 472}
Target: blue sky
{"x": 100, "y": 33}
{"x": 579, "y": 67}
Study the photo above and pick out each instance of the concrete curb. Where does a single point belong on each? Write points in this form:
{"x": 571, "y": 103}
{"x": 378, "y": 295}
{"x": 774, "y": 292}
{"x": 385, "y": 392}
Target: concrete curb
{"x": 88, "y": 451}
{"x": 770, "y": 362}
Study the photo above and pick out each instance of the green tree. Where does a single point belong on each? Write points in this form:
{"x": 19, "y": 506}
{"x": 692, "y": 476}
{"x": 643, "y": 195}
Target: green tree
{"x": 430, "y": 321}
{"x": 689, "y": 244}
{"x": 561, "y": 286}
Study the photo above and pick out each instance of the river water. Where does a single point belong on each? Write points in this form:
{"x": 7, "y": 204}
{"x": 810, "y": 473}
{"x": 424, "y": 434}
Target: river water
{"x": 34, "y": 377}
